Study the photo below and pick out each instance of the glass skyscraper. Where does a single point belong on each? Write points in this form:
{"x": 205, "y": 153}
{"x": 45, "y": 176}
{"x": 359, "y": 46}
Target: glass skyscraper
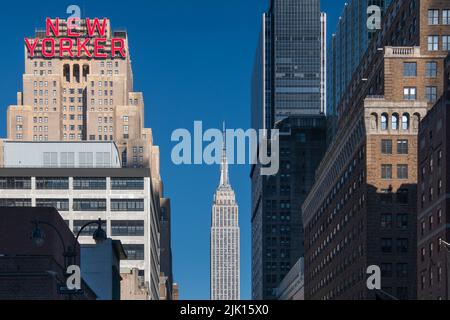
{"x": 347, "y": 46}
{"x": 287, "y": 94}
{"x": 287, "y": 71}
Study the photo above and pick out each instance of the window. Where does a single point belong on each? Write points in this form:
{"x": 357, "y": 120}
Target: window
{"x": 433, "y": 17}
{"x": 386, "y": 221}
{"x": 386, "y": 245}
{"x": 409, "y": 69}
{"x": 89, "y": 230}
{"x": 431, "y": 69}
{"x": 384, "y": 122}
{"x": 127, "y": 183}
{"x": 58, "y": 204}
{"x": 402, "y": 147}
{"x": 386, "y": 146}
{"x": 433, "y": 43}
{"x": 12, "y": 203}
{"x": 402, "y": 221}
{"x": 403, "y": 196}
{"x": 402, "y": 245}
{"x": 446, "y": 16}
{"x": 402, "y": 270}
{"x": 89, "y": 204}
{"x": 431, "y": 94}
{"x": 394, "y": 121}
{"x": 386, "y": 270}
{"x": 405, "y": 121}
{"x": 127, "y": 204}
{"x": 409, "y": 93}
{"x": 446, "y": 43}
{"x": 134, "y": 251}
{"x": 89, "y": 183}
{"x": 130, "y": 228}
{"x": 52, "y": 183}
{"x": 386, "y": 171}
{"x": 12, "y": 183}
{"x": 402, "y": 171}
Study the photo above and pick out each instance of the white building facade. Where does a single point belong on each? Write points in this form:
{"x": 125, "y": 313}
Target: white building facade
{"x": 122, "y": 197}
{"x": 225, "y": 240}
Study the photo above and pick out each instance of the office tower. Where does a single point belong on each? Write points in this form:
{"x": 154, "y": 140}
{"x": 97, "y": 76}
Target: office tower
{"x": 93, "y": 158}
{"x": 362, "y": 210}
{"x": 286, "y": 77}
{"x": 433, "y": 257}
{"x": 347, "y": 46}
{"x": 288, "y": 94}
{"x": 225, "y": 239}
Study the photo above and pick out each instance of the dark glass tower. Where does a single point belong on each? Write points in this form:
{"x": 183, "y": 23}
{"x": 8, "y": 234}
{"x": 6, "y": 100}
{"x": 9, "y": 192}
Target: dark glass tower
{"x": 286, "y": 94}
{"x": 347, "y": 46}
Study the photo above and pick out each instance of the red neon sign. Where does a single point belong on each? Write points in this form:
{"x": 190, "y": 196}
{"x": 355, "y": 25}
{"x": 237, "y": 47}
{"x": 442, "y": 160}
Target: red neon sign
{"x": 91, "y": 44}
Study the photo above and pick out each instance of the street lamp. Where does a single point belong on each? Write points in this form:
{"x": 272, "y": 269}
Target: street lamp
{"x": 38, "y": 237}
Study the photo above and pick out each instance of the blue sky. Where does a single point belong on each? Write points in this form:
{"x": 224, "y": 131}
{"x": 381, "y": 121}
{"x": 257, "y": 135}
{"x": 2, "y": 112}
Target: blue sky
{"x": 193, "y": 61}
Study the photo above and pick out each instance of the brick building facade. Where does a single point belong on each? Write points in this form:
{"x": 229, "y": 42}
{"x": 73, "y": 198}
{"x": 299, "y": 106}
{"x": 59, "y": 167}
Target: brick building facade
{"x": 362, "y": 208}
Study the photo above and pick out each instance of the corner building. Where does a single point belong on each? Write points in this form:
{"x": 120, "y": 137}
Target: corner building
{"x": 362, "y": 209}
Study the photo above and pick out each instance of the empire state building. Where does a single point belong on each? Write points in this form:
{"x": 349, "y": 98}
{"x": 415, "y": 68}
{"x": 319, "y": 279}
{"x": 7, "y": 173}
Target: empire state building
{"x": 225, "y": 240}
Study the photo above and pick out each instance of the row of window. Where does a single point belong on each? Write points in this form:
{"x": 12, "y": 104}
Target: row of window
{"x": 43, "y": 84}
{"x": 117, "y": 205}
{"x": 104, "y": 83}
{"x": 401, "y": 270}
{"x": 386, "y": 171}
{"x": 433, "y": 43}
{"x": 410, "y": 93}
{"x": 434, "y": 17}
{"x": 44, "y": 183}
{"x": 431, "y": 246}
{"x": 387, "y": 221}
{"x": 431, "y": 223}
{"x": 410, "y": 69}
{"x": 109, "y": 64}
{"x": 431, "y": 275}
{"x": 402, "y": 146}
{"x": 387, "y": 245}
{"x": 119, "y": 228}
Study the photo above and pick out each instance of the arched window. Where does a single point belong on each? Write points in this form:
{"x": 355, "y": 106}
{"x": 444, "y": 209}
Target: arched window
{"x": 394, "y": 120}
{"x": 405, "y": 121}
{"x": 384, "y": 121}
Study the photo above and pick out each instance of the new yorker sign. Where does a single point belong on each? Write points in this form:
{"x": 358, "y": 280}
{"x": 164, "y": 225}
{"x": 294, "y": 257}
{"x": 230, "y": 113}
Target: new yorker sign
{"x": 89, "y": 43}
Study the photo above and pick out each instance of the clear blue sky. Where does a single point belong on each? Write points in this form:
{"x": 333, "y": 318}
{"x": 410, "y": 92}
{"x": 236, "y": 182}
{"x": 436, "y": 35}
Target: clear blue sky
{"x": 193, "y": 61}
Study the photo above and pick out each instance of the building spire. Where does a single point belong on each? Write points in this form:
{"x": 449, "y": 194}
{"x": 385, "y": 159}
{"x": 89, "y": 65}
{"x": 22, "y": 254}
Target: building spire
{"x": 224, "y": 181}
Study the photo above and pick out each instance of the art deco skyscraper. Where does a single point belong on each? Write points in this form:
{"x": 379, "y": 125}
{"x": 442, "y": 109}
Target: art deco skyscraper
{"x": 225, "y": 240}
